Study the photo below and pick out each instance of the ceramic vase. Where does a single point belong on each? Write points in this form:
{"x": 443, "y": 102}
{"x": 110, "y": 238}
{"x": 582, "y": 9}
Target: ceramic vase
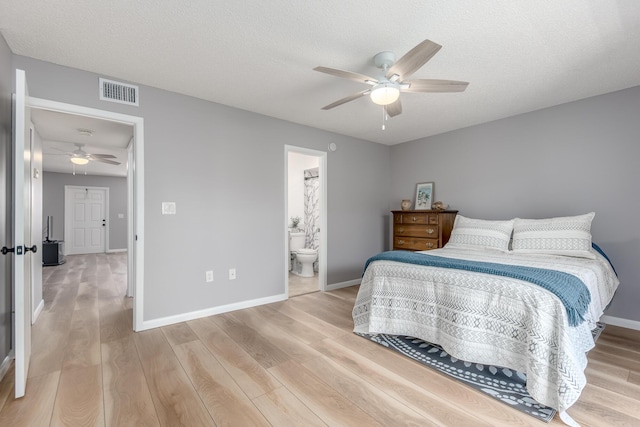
{"x": 406, "y": 204}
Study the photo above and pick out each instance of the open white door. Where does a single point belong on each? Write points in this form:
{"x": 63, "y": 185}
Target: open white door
{"x": 21, "y": 237}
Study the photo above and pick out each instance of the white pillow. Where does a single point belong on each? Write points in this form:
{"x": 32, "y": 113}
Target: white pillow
{"x": 570, "y": 236}
{"x": 469, "y": 233}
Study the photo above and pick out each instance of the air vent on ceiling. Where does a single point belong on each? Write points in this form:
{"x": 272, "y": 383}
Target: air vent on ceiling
{"x": 118, "y": 92}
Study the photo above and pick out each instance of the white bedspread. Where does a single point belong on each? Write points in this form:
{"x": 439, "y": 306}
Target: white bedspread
{"x": 491, "y": 319}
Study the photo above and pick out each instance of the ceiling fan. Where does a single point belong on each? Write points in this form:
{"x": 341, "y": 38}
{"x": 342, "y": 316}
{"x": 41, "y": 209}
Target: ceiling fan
{"x": 394, "y": 79}
{"x": 81, "y": 157}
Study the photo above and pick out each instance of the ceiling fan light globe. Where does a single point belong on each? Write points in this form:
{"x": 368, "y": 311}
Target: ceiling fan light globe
{"x": 384, "y": 94}
{"x": 79, "y": 160}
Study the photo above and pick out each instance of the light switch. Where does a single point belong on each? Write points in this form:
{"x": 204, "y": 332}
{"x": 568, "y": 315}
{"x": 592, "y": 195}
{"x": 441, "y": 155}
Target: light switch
{"x": 168, "y": 208}
{"x": 121, "y": 216}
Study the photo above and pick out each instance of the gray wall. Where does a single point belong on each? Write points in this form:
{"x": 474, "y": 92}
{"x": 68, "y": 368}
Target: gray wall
{"x": 224, "y": 168}
{"x": 571, "y": 159}
{"x": 53, "y": 201}
{"x": 5, "y": 154}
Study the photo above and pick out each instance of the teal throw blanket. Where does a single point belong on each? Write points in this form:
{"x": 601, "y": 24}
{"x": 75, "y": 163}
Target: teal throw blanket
{"x": 573, "y": 293}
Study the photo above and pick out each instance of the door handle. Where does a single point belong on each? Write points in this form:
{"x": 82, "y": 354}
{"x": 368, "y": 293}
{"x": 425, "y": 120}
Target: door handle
{"x": 33, "y": 249}
{"x": 17, "y": 250}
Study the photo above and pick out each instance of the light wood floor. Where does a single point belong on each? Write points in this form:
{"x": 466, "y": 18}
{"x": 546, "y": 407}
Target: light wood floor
{"x": 303, "y": 285}
{"x": 290, "y": 363}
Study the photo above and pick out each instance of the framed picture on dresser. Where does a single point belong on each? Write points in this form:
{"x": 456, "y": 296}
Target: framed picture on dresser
{"x": 424, "y": 195}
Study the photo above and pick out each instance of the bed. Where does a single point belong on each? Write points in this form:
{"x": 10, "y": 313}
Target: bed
{"x": 460, "y": 298}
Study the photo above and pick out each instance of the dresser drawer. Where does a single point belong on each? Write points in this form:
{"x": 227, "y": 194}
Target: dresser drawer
{"x": 417, "y": 218}
{"x": 414, "y": 230}
{"x": 414, "y": 243}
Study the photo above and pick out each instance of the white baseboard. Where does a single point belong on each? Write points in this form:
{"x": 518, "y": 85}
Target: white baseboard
{"x": 623, "y": 323}
{"x": 170, "y": 320}
{"x": 334, "y": 286}
{"x": 37, "y": 311}
{"x": 113, "y": 251}
{"x": 5, "y": 365}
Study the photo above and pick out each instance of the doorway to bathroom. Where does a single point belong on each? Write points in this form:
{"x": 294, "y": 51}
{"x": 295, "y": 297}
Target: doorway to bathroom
{"x": 305, "y": 220}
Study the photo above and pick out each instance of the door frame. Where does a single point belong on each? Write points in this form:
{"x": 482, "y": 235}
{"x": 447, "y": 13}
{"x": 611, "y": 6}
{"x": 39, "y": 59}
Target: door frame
{"x": 135, "y": 176}
{"x": 67, "y": 217}
{"x": 322, "y": 253}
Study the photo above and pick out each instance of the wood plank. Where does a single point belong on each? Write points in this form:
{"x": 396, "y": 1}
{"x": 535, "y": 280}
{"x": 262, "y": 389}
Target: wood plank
{"x": 300, "y": 316}
{"x": 87, "y": 296}
{"x": 224, "y": 399}
{"x": 127, "y": 399}
{"x": 323, "y": 311}
{"x": 431, "y": 403}
{"x": 283, "y": 339}
{"x": 282, "y": 408}
{"x": 448, "y": 389}
{"x": 299, "y": 330}
{"x": 115, "y": 322}
{"x": 251, "y": 341}
{"x": 252, "y": 378}
{"x": 49, "y": 339}
{"x": 79, "y": 401}
{"x": 7, "y": 385}
{"x": 175, "y": 400}
{"x": 83, "y": 345}
{"x": 36, "y": 407}
{"x": 367, "y": 397}
{"x": 179, "y": 333}
{"x": 329, "y": 405}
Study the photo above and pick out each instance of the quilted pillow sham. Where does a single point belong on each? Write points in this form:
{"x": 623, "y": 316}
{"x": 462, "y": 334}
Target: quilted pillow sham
{"x": 469, "y": 233}
{"x": 569, "y": 236}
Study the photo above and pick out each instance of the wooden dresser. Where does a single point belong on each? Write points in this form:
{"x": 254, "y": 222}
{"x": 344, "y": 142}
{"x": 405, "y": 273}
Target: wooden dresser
{"x": 422, "y": 230}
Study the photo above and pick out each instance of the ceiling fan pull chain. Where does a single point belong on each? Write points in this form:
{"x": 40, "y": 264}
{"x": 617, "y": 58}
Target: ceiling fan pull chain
{"x": 384, "y": 116}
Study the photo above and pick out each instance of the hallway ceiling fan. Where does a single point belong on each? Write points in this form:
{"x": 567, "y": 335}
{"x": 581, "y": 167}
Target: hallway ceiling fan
{"x": 394, "y": 79}
{"x": 81, "y": 157}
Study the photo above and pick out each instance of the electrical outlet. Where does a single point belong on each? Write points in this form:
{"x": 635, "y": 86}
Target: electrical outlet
{"x": 232, "y": 274}
{"x": 209, "y": 276}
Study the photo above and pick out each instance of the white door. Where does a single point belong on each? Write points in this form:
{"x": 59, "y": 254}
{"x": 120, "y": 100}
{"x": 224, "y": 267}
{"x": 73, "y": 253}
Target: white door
{"x": 21, "y": 232}
{"x": 85, "y": 220}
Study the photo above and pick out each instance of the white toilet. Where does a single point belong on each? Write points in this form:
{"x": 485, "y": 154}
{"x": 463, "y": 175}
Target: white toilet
{"x": 304, "y": 257}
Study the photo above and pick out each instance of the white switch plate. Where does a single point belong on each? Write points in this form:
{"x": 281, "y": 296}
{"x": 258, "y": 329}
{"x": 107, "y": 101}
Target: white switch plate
{"x": 232, "y": 274}
{"x": 209, "y": 276}
{"x": 121, "y": 216}
{"x": 168, "y": 208}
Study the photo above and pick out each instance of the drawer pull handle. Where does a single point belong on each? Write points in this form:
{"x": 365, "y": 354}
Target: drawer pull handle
{"x": 430, "y": 230}
{"x": 414, "y": 219}
{"x": 429, "y": 245}
{"x": 401, "y": 242}
{"x": 400, "y": 230}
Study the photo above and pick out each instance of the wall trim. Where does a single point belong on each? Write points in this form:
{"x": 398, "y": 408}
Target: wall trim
{"x": 113, "y": 251}
{"x": 170, "y": 320}
{"x": 334, "y": 286}
{"x": 623, "y": 323}
{"x": 37, "y": 311}
{"x": 5, "y": 365}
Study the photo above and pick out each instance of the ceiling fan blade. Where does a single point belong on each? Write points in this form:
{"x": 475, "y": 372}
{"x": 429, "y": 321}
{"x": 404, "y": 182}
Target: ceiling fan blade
{"x": 394, "y": 109}
{"x": 110, "y": 162}
{"x": 347, "y": 75}
{"x": 435, "y": 85}
{"x": 346, "y": 99}
{"x": 103, "y": 156}
{"x": 414, "y": 59}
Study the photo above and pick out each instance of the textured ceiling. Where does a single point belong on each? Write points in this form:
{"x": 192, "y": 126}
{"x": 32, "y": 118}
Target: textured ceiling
{"x": 518, "y": 56}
